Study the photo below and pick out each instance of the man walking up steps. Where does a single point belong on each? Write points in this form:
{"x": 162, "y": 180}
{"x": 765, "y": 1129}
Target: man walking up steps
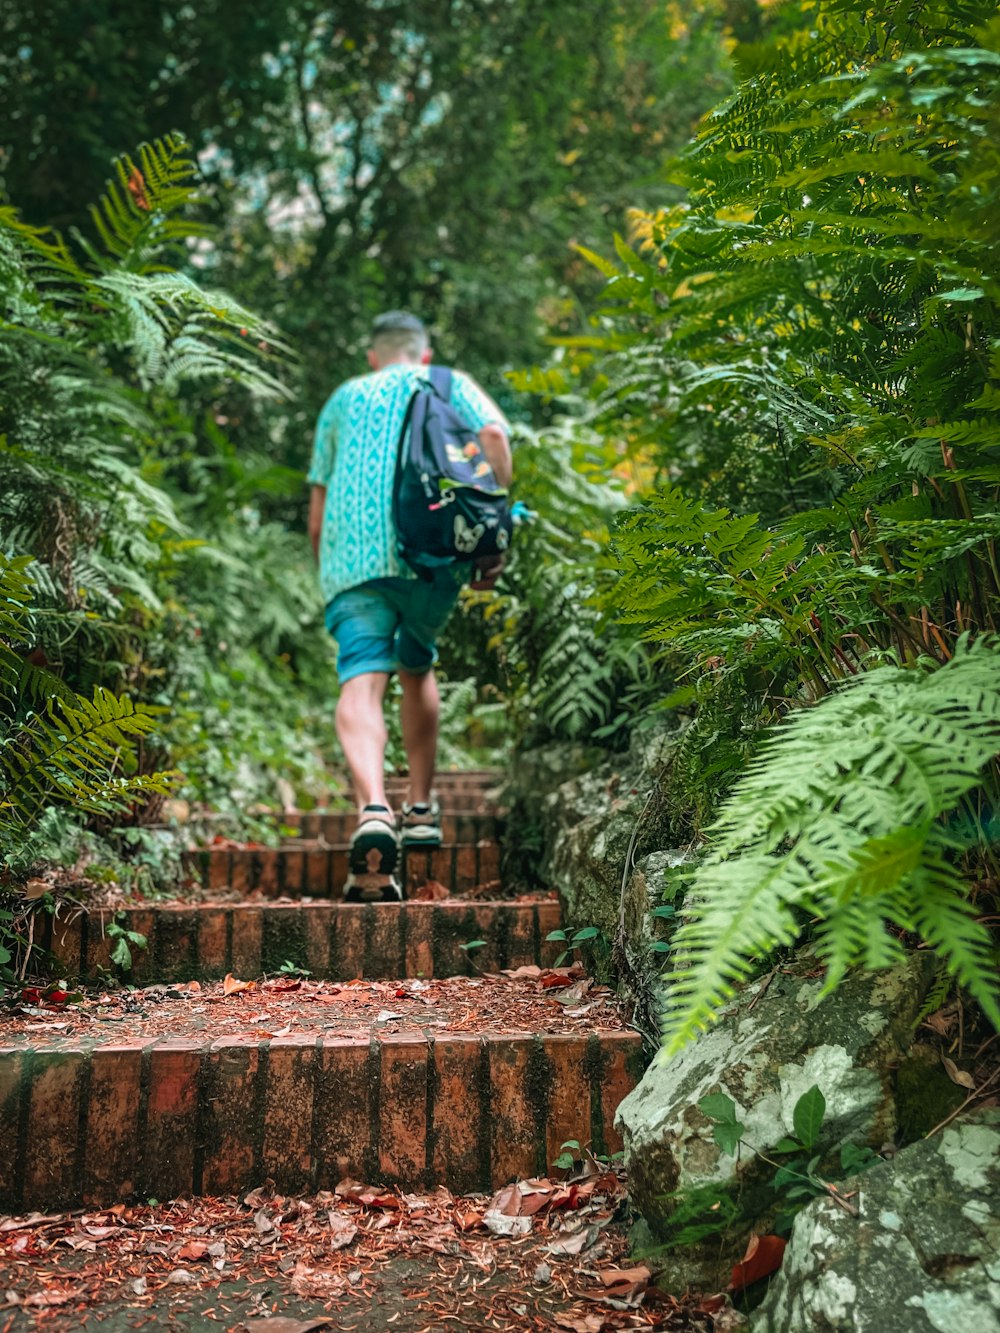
{"x": 382, "y": 616}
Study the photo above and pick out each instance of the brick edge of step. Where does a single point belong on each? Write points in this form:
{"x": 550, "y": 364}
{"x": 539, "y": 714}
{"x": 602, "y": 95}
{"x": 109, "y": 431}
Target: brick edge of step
{"x": 321, "y": 870}
{"x": 336, "y": 940}
{"x": 177, "y": 1116}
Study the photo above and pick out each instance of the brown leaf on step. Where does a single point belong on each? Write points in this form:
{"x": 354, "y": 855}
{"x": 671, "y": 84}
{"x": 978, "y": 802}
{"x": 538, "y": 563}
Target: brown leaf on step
{"x": 366, "y": 1194}
{"x": 763, "y": 1257}
{"x": 192, "y": 1249}
{"x": 36, "y": 887}
{"x": 232, "y": 987}
{"x": 625, "y": 1284}
{"x": 960, "y": 1076}
{"x": 431, "y": 892}
{"x": 574, "y": 994}
{"x": 940, "y": 1022}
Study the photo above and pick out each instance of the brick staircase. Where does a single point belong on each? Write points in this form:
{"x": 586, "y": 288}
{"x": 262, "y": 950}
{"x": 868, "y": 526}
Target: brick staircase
{"x": 451, "y": 1095}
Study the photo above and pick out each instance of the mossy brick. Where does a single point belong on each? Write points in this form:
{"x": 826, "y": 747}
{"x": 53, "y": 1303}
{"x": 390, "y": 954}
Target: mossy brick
{"x": 111, "y": 1137}
{"x": 287, "y": 1153}
{"x": 54, "y": 1112}
{"x": 403, "y": 1127}
{"x": 66, "y": 945}
{"x": 460, "y": 1101}
{"x": 318, "y": 924}
{"x": 489, "y": 862}
{"x": 383, "y": 940}
{"x": 264, "y": 871}
{"x": 239, "y": 870}
{"x": 233, "y": 1119}
{"x": 168, "y": 1165}
{"x": 347, "y": 956}
{"x": 12, "y": 1069}
{"x": 283, "y": 938}
{"x": 175, "y": 942}
{"x": 416, "y": 869}
{"x": 418, "y": 930}
{"x": 339, "y": 868}
{"x": 617, "y": 1063}
{"x": 99, "y": 944}
{"x": 291, "y": 870}
{"x": 458, "y": 924}
{"x": 319, "y": 864}
{"x": 548, "y": 916}
{"x": 515, "y": 1148}
{"x": 214, "y": 928}
{"x": 218, "y": 872}
{"x": 521, "y": 935}
{"x": 344, "y": 1110}
{"x": 246, "y": 943}
{"x": 466, "y": 871}
{"x": 569, "y": 1103}
{"x": 442, "y": 867}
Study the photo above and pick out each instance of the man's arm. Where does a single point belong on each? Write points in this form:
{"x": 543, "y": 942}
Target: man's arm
{"x": 317, "y": 504}
{"x": 496, "y": 447}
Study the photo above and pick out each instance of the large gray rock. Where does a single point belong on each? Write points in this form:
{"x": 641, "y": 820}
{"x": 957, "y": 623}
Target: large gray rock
{"x": 923, "y": 1256}
{"x": 768, "y": 1048}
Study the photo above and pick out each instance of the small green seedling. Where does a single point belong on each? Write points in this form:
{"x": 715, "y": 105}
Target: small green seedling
{"x": 125, "y": 941}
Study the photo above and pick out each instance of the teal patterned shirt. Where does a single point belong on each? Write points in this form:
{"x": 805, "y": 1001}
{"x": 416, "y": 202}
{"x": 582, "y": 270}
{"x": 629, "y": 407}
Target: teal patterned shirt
{"x": 354, "y": 457}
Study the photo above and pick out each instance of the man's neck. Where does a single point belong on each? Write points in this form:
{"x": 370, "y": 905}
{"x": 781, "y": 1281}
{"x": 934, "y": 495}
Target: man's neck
{"x": 398, "y": 361}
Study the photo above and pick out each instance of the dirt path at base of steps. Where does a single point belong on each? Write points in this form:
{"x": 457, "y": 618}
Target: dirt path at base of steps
{"x": 367, "y": 1260}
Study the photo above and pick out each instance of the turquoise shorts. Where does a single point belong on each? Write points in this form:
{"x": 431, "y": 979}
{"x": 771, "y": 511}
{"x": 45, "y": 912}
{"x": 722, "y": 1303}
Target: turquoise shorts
{"x": 391, "y": 624}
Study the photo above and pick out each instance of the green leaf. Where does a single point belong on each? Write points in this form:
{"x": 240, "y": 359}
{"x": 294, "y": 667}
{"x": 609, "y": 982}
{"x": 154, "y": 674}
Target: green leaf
{"x": 664, "y": 911}
{"x": 719, "y": 1107}
{"x": 728, "y": 1136}
{"x": 586, "y": 933}
{"x": 807, "y": 1117}
{"x": 557, "y": 935}
{"x": 472, "y": 944}
{"x": 788, "y": 1145}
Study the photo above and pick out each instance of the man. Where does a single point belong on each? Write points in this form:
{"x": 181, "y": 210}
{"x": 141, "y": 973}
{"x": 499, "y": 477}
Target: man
{"x": 382, "y": 616}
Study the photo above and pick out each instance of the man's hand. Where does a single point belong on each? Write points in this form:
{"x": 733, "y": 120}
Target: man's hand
{"x": 317, "y": 504}
{"x": 496, "y": 447}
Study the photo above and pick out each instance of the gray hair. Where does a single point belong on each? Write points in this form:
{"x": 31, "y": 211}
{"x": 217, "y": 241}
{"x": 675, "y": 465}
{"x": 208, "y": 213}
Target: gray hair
{"x": 398, "y": 331}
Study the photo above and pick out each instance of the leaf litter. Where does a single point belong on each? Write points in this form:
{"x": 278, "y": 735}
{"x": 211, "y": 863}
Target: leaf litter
{"x": 537, "y": 999}
{"x": 538, "y": 1255}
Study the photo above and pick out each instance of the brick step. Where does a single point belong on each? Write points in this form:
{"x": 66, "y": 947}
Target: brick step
{"x": 99, "y": 1123}
{"x": 336, "y": 826}
{"x": 335, "y": 940}
{"x": 308, "y": 867}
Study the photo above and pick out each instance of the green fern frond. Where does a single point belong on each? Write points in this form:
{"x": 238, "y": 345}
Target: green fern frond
{"x": 840, "y": 816}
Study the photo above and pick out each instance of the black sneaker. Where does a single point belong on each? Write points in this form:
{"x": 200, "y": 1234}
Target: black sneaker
{"x": 374, "y": 843}
{"x": 372, "y": 889}
{"x": 420, "y": 825}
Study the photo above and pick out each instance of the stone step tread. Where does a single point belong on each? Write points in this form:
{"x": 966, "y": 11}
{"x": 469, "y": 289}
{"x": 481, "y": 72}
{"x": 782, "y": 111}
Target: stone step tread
{"x": 330, "y": 939}
{"x": 320, "y": 870}
{"x": 477, "y": 1083}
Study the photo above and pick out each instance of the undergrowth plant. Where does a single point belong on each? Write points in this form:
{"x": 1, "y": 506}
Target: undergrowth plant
{"x": 803, "y": 360}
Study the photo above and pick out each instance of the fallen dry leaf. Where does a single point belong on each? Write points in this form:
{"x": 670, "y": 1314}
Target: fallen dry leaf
{"x": 430, "y": 892}
{"x": 763, "y": 1257}
{"x": 231, "y": 986}
{"x": 960, "y": 1076}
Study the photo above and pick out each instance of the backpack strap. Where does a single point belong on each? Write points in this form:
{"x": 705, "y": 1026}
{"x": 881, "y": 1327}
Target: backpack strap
{"x": 440, "y": 378}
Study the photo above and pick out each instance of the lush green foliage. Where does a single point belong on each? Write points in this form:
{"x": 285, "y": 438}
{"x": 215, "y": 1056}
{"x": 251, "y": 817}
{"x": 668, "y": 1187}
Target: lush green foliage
{"x": 152, "y": 577}
{"x": 804, "y": 359}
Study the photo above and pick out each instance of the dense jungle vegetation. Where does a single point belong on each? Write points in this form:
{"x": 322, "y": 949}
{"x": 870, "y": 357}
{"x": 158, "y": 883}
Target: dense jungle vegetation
{"x": 734, "y": 272}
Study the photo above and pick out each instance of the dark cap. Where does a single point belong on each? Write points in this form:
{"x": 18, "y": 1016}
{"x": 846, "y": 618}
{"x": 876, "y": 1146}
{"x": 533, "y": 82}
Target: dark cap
{"x": 397, "y": 321}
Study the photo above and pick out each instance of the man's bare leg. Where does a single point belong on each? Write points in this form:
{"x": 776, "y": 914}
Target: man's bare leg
{"x": 362, "y": 734}
{"x": 419, "y": 713}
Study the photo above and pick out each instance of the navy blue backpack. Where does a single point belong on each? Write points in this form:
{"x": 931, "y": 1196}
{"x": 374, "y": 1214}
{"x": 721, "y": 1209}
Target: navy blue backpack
{"x": 447, "y": 504}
